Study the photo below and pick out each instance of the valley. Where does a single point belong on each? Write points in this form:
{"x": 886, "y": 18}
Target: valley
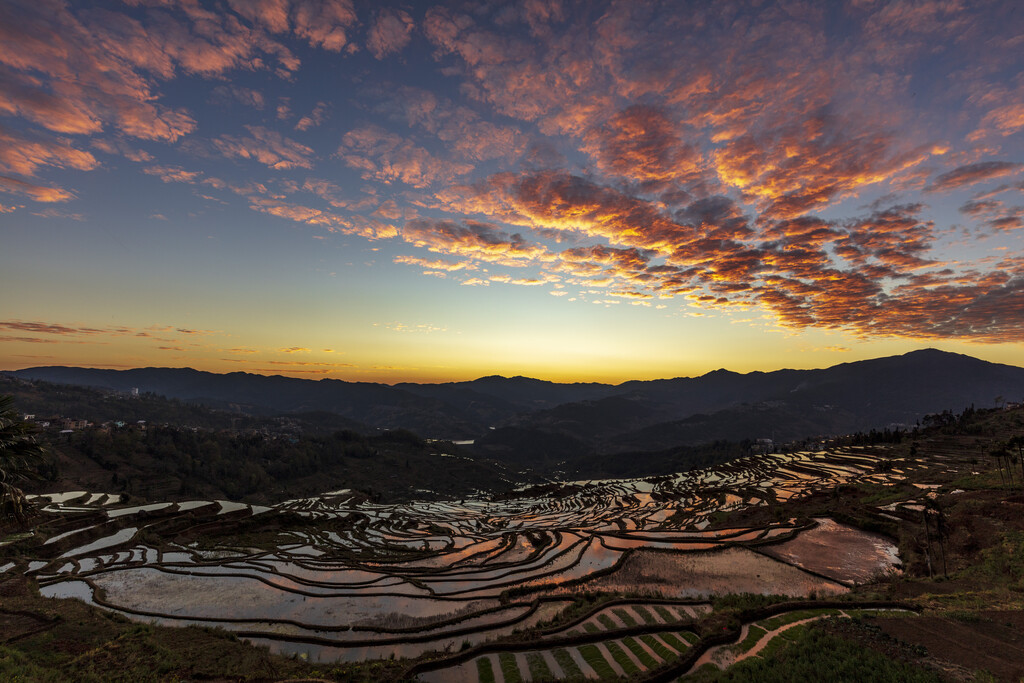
{"x": 690, "y": 574}
{"x": 586, "y": 579}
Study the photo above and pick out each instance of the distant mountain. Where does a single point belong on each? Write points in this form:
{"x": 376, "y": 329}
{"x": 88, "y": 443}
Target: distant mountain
{"x": 638, "y": 415}
{"x": 524, "y": 393}
{"x": 376, "y": 405}
{"x": 786, "y": 404}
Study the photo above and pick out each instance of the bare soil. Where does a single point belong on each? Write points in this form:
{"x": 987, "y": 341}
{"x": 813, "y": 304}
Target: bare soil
{"x": 15, "y": 625}
{"x": 995, "y": 642}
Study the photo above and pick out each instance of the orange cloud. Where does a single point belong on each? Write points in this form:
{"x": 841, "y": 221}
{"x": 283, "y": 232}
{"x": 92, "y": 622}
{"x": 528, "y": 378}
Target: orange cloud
{"x": 29, "y": 340}
{"x": 352, "y": 225}
{"x": 807, "y": 166}
{"x": 641, "y": 143}
{"x": 867, "y": 274}
{"x": 24, "y": 156}
{"x": 173, "y": 174}
{"x": 472, "y": 239}
{"x": 77, "y": 72}
{"x": 121, "y": 148}
{"x": 38, "y": 193}
{"x": 387, "y": 157}
{"x": 56, "y": 328}
{"x": 1007, "y": 120}
{"x": 300, "y": 364}
{"x": 436, "y": 264}
{"x": 323, "y": 23}
{"x": 267, "y": 147}
{"x": 314, "y": 119}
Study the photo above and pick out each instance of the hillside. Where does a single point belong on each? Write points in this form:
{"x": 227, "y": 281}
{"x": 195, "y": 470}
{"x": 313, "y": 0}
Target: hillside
{"x": 949, "y": 611}
{"x": 633, "y": 416}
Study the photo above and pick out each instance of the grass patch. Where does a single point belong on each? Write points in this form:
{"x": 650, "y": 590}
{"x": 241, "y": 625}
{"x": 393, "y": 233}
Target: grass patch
{"x": 673, "y": 641}
{"x": 778, "y": 620}
{"x": 590, "y": 628}
{"x": 873, "y": 613}
{"x": 773, "y": 646}
{"x": 509, "y": 667}
{"x": 665, "y": 614}
{"x": 818, "y": 656}
{"x": 568, "y": 664}
{"x": 539, "y": 668}
{"x": 645, "y": 614}
{"x": 985, "y": 481}
{"x": 740, "y": 602}
{"x": 878, "y": 495}
{"x": 597, "y": 662}
{"x": 626, "y": 617}
{"x": 1003, "y": 562}
{"x": 621, "y": 657}
{"x": 606, "y": 621}
{"x": 90, "y": 646}
{"x": 658, "y": 647}
{"x": 754, "y": 634}
{"x": 645, "y": 658}
{"x": 963, "y": 616}
{"x": 485, "y": 670}
{"x": 794, "y": 634}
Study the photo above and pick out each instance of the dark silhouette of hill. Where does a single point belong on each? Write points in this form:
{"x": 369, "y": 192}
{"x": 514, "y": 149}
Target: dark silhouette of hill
{"x": 642, "y": 415}
{"x": 524, "y": 393}
{"x": 785, "y": 404}
{"x": 378, "y": 406}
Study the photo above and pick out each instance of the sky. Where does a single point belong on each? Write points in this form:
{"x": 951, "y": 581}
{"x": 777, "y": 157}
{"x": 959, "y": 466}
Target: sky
{"x": 574, "y": 191}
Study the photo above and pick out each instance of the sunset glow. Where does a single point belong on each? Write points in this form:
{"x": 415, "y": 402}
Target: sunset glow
{"x": 575, "y": 191}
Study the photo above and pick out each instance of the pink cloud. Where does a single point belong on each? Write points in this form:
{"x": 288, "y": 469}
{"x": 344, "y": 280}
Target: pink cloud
{"x": 23, "y": 155}
{"x": 314, "y": 119}
{"x": 38, "y": 193}
{"x": 472, "y": 239}
{"x": 436, "y": 264}
{"x": 390, "y": 33}
{"x": 387, "y": 157}
{"x": 173, "y": 174}
{"x": 970, "y": 174}
{"x": 323, "y": 22}
{"x": 267, "y": 147}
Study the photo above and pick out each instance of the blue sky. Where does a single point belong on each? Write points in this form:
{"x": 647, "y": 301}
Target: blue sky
{"x": 567, "y": 190}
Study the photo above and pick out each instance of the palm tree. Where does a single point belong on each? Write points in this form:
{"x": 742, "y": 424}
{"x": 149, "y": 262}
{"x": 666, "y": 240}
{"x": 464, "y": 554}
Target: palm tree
{"x": 18, "y": 453}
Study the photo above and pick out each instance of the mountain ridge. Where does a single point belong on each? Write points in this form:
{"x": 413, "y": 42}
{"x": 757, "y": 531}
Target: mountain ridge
{"x": 848, "y": 396}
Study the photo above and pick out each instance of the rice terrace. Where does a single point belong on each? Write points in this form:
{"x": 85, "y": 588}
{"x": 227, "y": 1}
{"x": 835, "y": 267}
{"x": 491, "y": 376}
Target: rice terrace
{"x": 656, "y": 578}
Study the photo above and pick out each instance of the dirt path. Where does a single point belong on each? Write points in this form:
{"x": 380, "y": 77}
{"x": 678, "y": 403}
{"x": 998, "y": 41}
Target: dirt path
{"x": 724, "y": 656}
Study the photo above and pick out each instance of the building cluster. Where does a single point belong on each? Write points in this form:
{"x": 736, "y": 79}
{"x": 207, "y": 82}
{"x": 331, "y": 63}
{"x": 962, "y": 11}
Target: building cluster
{"x": 68, "y": 425}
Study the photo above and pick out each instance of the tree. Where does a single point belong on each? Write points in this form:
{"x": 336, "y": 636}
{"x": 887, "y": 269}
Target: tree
{"x": 999, "y": 454}
{"x": 19, "y": 453}
{"x": 1018, "y": 443}
{"x": 933, "y": 508}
